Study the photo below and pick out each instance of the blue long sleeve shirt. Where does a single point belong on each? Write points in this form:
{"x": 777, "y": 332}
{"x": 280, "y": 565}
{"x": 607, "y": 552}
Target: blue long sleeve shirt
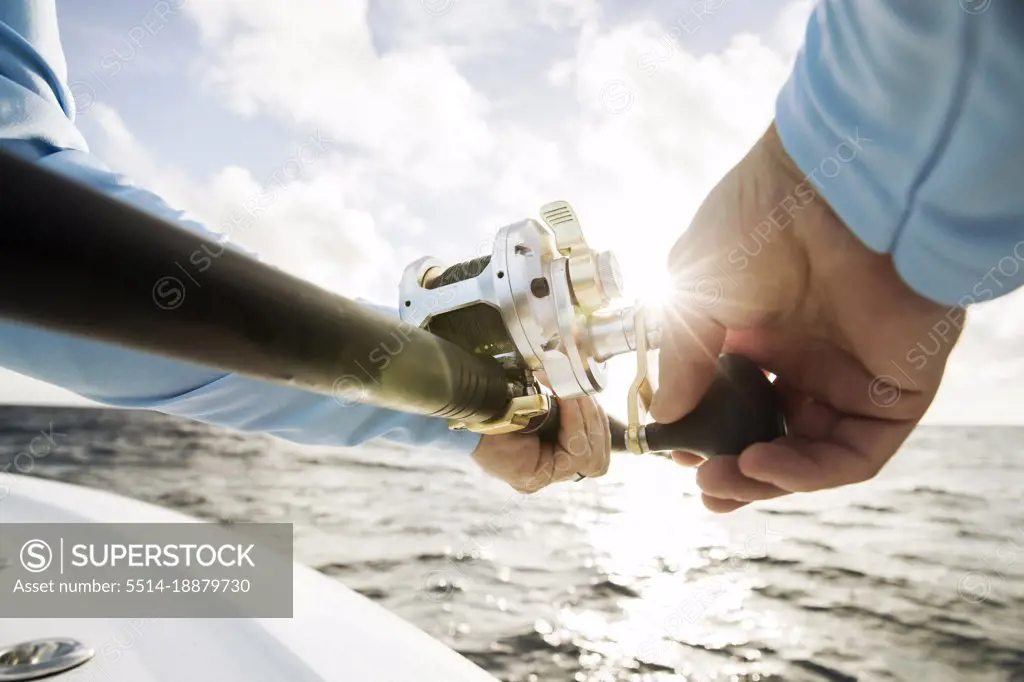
{"x": 37, "y": 121}
{"x": 908, "y": 116}
{"x": 905, "y": 114}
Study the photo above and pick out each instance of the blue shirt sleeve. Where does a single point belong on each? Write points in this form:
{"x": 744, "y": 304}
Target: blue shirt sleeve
{"x": 37, "y": 121}
{"x": 907, "y": 118}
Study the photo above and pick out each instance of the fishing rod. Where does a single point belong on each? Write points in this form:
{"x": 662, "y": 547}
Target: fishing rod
{"x": 470, "y": 345}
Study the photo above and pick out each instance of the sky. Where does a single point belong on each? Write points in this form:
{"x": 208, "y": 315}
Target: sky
{"x": 361, "y": 135}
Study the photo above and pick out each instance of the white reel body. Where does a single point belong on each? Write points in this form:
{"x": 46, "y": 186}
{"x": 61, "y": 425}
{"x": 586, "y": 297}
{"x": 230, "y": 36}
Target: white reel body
{"x": 540, "y": 302}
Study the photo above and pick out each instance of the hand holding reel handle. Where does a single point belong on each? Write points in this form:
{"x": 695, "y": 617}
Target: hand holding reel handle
{"x": 740, "y": 409}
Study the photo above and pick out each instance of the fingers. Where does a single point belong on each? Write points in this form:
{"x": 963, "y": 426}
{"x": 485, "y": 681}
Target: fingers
{"x": 856, "y": 451}
{"x": 607, "y": 438}
{"x": 825, "y": 449}
{"x": 687, "y": 459}
{"x": 585, "y": 439}
{"x": 573, "y": 432}
{"x": 722, "y": 477}
{"x": 830, "y": 375}
{"x": 584, "y": 446}
{"x": 724, "y": 486}
{"x": 719, "y": 506}
{"x": 687, "y": 362}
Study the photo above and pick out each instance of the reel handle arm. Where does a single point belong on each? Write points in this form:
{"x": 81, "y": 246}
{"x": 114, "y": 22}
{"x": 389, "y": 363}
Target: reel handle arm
{"x": 740, "y": 409}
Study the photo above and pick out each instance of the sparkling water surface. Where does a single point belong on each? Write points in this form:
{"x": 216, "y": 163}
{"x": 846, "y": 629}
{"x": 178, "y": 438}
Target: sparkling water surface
{"x": 917, "y": 576}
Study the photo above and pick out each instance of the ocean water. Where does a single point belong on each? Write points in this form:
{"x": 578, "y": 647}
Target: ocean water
{"x": 917, "y": 576}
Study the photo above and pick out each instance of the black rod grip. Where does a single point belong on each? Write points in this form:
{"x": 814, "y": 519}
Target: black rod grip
{"x": 547, "y": 425}
{"x": 740, "y": 408}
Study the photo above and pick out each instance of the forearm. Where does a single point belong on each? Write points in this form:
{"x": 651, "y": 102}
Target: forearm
{"x": 933, "y": 97}
{"x": 122, "y": 378}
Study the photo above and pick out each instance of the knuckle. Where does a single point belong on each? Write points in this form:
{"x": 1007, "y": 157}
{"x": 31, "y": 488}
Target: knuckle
{"x": 595, "y": 467}
{"x": 602, "y": 458}
{"x": 563, "y": 461}
{"x": 530, "y": 487}
{"x": 577, "y": 445}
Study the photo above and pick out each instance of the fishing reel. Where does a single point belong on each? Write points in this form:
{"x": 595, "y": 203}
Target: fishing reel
{"x": 543, "y": 303}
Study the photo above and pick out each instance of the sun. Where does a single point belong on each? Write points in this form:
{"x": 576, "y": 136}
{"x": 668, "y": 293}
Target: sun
{"x": 650, "y": 284}
{"x": 647, "y": 281}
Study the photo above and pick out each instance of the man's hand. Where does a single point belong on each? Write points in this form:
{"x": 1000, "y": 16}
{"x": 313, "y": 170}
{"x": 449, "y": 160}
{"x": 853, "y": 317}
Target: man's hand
{"x": 584, "y": 447}
{"x": 768, "y": 271}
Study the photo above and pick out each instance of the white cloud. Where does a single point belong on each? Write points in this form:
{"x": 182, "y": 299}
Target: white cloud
{"x": 788, "y": 32}
{"x": 984, "y": 380}
{"x": 468, "y": 29}
{"x": 314, "y": 64}
{"x": 658, "y": 127}
{"x": 298, "y": 218}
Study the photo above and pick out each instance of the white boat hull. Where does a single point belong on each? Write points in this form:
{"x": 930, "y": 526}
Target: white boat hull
{"x": 335, "y": 635}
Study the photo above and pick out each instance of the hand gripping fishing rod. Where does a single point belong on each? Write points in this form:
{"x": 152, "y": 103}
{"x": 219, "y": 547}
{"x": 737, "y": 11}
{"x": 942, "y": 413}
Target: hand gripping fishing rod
{"x": 76, "y": 261}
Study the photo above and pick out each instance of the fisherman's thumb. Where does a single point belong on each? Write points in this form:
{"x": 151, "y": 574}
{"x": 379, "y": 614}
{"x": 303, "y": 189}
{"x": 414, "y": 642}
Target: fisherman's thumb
{"x": 718, "y": 287}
